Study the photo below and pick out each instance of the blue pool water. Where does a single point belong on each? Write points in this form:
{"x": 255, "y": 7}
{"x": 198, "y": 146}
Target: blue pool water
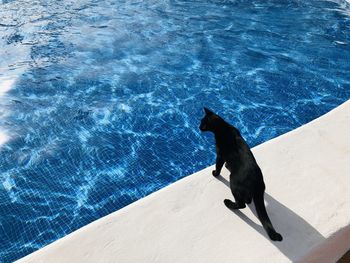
{"x": 100, "y": 101}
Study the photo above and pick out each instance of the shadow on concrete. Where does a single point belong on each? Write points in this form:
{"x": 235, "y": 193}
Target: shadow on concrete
{"x": 298, "y": 235}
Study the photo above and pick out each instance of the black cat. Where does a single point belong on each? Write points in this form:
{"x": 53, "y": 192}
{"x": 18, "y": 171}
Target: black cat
{"x": 246, "y": 179}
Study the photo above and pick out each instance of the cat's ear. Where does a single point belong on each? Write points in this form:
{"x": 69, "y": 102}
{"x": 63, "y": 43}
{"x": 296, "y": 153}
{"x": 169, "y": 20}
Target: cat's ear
{"x": 207, "y": 111}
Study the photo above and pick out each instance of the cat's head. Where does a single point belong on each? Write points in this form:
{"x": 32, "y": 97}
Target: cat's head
{"x": 209, "y": 121}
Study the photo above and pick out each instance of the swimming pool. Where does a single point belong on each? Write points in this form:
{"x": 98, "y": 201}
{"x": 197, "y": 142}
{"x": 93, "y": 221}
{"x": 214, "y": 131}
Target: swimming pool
{"x": 101, "y": 100}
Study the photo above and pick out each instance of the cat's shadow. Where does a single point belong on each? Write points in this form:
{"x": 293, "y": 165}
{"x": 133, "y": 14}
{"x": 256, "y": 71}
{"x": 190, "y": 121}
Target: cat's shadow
{"x": 298, "y": 235}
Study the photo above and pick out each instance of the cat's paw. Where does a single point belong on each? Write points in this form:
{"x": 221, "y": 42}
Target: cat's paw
{"x": 214, "y": 173}
{"x": 232, "y": 205}
{"x": 229, "y": 204}
{"x": 275, "y": 236}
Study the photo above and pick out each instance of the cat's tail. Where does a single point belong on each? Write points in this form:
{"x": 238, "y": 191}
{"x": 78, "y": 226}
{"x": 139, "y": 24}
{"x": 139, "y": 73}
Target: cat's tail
{"x": 264, "y": 218}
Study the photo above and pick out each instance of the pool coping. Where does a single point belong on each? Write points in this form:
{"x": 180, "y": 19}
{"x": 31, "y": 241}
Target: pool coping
{"x": 306, "y": 172}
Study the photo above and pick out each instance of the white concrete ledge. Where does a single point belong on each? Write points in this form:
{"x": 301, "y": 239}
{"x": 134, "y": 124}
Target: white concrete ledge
{"x": 307, "y": 174}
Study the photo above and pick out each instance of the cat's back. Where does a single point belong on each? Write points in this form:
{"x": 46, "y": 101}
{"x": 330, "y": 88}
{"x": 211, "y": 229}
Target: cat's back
{"x": 241, "y": 148}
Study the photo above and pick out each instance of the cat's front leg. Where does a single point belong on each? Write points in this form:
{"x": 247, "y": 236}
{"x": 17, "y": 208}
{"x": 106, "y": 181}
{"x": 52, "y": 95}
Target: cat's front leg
{"x": 219, "y": 163}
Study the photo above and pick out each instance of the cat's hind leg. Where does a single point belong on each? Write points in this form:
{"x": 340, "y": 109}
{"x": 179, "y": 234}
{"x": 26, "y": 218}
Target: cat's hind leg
{"x": 239, "y": 204}
{"x": 237, "y": 194}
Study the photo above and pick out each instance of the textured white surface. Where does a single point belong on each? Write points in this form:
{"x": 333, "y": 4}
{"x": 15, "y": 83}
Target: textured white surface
{"x": 307, "y": 174}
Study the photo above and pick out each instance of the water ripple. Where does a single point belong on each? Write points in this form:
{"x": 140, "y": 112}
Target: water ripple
{"x": 100, "y": 101}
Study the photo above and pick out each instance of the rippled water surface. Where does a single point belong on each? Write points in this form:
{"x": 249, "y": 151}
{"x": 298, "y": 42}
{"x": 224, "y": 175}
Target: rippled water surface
{"x": 100, "y": 101}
